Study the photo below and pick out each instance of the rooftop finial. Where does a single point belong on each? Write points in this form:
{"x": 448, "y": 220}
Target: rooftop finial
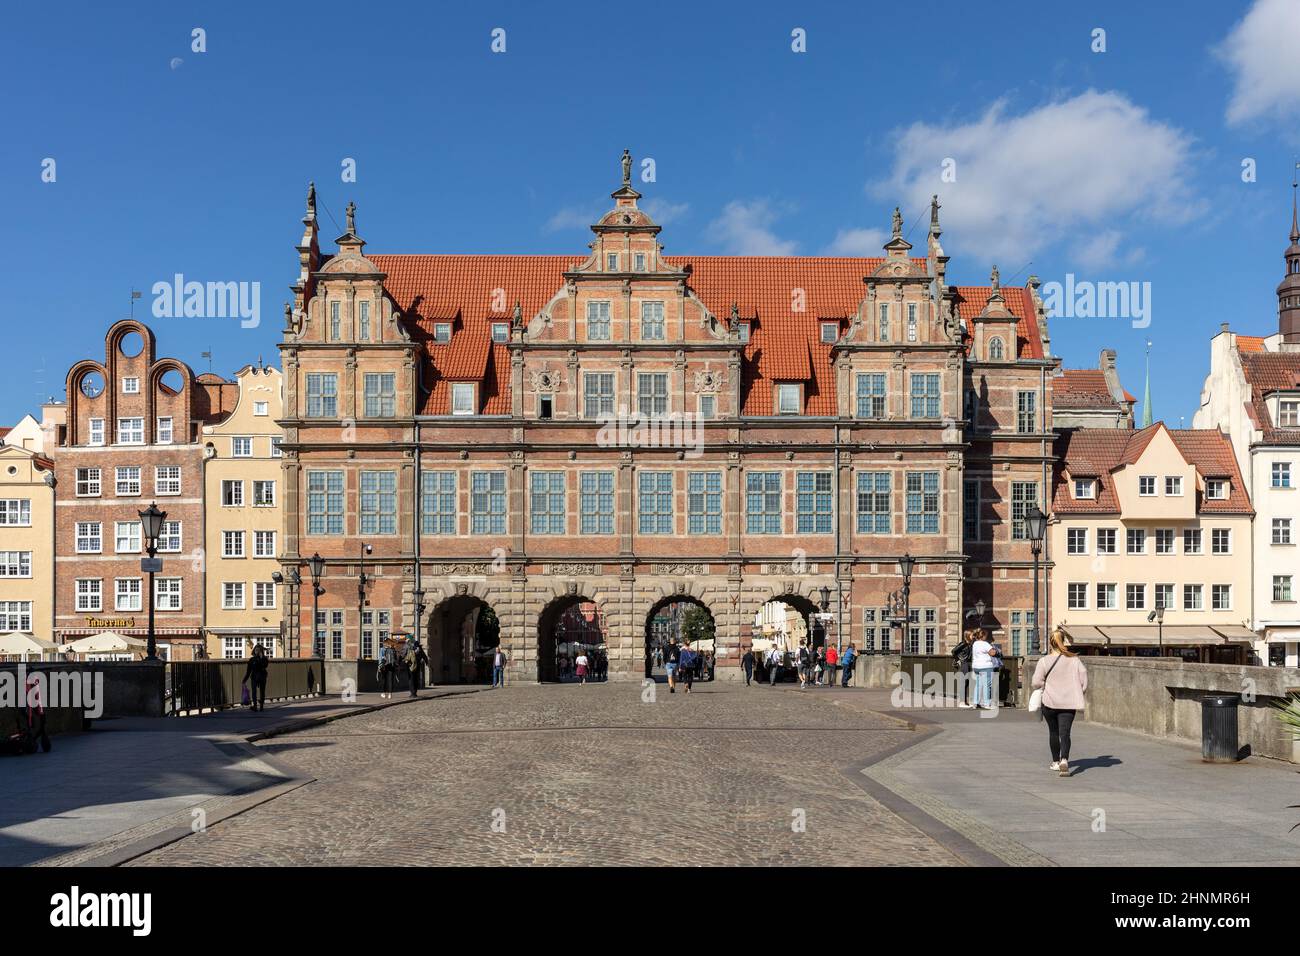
{"x": 351, "y": 211}
{"x": 934, "y": 213}
{"x": 735, "y": 314}
{"x": 995, "y": 279}
{"x": 627, "y": 168}
{"x": 517, "y": 317}
{"x": 311, "y": 199}
{"x": 1295, "y": 224}
{"x": 898, "y": 223}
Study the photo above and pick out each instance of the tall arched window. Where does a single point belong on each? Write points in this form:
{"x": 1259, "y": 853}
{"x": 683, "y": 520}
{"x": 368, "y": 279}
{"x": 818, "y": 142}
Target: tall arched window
{"x": 996, "y": 351}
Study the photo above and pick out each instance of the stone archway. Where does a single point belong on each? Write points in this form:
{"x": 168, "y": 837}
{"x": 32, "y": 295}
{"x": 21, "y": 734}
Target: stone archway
{"x": 567, "y": 624}
{"x": 463, "y": 631}
{"x": 681, "y": 617}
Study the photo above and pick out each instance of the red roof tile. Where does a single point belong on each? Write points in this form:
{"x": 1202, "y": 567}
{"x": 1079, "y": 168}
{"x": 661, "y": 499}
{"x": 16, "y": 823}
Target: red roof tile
{"x": 784, "y": 345}
{"x": 1268, "y": 372}
{"x": 1250, "y": 343}
{"x": 1098, "y": 452}
{"x": 1082, "y": 388}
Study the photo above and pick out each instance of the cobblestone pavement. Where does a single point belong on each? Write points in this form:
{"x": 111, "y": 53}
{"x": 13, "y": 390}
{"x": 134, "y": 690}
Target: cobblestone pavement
{"x": 578, "y": 775}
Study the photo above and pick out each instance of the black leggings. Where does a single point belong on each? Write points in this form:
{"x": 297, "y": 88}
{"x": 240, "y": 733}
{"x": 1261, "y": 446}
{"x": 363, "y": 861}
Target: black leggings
{"x": 1058, "y": 730}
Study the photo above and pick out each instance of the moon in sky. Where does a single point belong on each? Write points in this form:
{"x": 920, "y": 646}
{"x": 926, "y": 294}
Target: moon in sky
{"x": 176, "y": 62}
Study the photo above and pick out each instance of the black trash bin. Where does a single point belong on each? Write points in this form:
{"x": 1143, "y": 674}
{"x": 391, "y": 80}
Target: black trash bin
{"x": 1219, "y": 728}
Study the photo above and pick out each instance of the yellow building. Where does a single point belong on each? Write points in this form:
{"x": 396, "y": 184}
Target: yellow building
{"x": 1151, "y": 544}
{"x": 242, "y": 495}
{"x": 26, "y": 532}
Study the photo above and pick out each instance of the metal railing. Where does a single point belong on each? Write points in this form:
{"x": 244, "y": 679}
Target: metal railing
{"x": 195, "y": 687}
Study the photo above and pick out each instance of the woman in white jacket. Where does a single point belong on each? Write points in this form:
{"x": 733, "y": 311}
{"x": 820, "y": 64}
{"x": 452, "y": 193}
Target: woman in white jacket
{"x": 1063, "y": 679}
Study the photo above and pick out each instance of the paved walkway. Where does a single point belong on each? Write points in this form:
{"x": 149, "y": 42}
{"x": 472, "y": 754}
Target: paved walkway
{"x": 98, "y": 794}
{"x": 1131, "y": 800}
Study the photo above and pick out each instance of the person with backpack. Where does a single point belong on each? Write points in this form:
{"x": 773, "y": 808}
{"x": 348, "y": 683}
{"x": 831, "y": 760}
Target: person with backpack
{"x": 415, "y": 661}
{"x": 774, "y": 660}
{"x": 686, "y": 662}
{"x": 1060, "y": 681}
{"x": 983, "y": 665}
{"x": 387, "y": 668}
{"x": 961, "y": 659}
{"x": 671, "y": 661}
{"x": 850, "y": 658}
{"x": 805, "y": 664}
{"x": 255, "y": 675}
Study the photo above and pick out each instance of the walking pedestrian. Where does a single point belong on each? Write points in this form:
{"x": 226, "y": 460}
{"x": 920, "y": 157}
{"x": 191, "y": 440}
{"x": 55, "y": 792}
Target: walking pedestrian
{"x": 671, "y": 660}
{"x": 255, "y": 674}
{"x": 805, "y": 664}
{"x": 1063, "y": 680}
{"x": 686, "y": 663}
{"x": 983, "y": 665}
{"x": 962, "y": 656}
{"x": 747, "y": 664}
{"x": 387, "y": 667}
{"x": 774, "y": 658}
{"x": 581, "y": 663}
{"x": 498, "y": 667}
{"x": 415, "y": 661}
{"x": 850, "y": 658}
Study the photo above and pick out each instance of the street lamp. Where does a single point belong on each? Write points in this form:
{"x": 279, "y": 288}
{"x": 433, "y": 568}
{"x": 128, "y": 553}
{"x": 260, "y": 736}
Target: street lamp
{"x": 151, "y": 523}
{"x": 316, "y": 564}
{"x": 362, "y": 580}
{"x": 1158, "y": 615}
{"x": 292, "y": 580}
{"x": 1036, "y": 524}
{"x": 905, "y": 565}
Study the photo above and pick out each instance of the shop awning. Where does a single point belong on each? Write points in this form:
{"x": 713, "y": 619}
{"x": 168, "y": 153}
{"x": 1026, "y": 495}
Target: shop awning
{"x": 1236, "y": 633}
{"x": 1175, "y": 635}
{"x": 1084, "y": 634}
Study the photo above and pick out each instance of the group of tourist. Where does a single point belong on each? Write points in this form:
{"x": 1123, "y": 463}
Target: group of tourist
{"x": 684, "y": 664}
{"x": 815, "y": 666}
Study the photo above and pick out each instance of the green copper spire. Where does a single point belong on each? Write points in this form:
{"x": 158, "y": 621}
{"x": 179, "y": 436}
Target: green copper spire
{"x": 1146, "y": 393}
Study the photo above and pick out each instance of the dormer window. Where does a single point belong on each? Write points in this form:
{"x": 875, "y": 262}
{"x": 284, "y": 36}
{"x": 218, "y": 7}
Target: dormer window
{"x": 463, "y": 398}
{"x": 742, "y": 328}
{"x": 442, "y": 332}
{"x": 500, "y": 332}
{"x": 1288, "y": 413}
{"x": 130, "y": 386}
{"x": 830, "y": 332}
{"x": 1216, "y": 489}
{"x": 788, "y": 399}
{"x": 1085, "y": 489}
{"x": 997, "y": 351}
{"x": 611, "y": 262}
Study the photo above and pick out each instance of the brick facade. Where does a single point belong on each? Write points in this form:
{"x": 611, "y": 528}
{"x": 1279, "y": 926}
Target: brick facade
{"x": 487, "y": 377}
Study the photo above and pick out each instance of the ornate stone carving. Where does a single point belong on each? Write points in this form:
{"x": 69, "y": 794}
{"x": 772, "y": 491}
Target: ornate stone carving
{"x": 680, "y": 569}
{"x": 573, "y": 569}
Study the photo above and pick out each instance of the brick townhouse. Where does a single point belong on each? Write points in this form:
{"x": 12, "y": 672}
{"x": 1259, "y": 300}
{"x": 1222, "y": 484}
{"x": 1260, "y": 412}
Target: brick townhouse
{"x": 455, "y": 441}
{"x": 130, "y": 434}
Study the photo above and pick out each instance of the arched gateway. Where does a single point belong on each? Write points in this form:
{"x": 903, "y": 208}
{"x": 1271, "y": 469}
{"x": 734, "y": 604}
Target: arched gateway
{"x": 463, "y": 632}
{"x": 568, "y": 626}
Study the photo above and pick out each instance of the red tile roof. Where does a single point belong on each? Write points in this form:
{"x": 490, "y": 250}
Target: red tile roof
{"x": 1268, "y": 372}
{"x": 1250, "y": 343}
{"x": 1018, "y": 302}
{"x": 784, "y": 345}
{"x": 1082, "y": 388}
{"x": 1097, "y": 452}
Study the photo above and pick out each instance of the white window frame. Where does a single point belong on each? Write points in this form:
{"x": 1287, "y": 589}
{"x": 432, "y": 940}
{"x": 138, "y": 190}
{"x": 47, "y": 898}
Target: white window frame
{"x": 89, "y": 595}
{"x": 93, "y": 532}
{"x": 166, "y": 485}
{"x": 134, "y": 539}
{"x": 168, "y": 594}
{"x": 163, "y": 430}
{"x": 128, "y": 428}
{"x": 232, "y": 595}
{"x": 464, "y": 398}
{"x": 128, "y": 593}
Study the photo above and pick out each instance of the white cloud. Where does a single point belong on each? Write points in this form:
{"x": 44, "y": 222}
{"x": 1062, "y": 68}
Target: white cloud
{"x": 857, "y": 242}
{"x": 573, "y": 217}
{"x": 1083, "y": 170}
{"x": 743, "y": 229}
{"x": 1262, "y": 53}
{"x": 664, "y": 211}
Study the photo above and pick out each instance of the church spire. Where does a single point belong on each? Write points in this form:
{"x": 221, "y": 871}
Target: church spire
{"x": 1288, "y": 290}
{"x": 1146, "y": 391}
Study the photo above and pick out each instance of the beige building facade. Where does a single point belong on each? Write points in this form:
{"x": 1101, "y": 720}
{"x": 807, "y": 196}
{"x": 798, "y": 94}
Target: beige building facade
{"x": 243, "y": 520}
{"x": 1151, "y": 538}
{"x": 26, "y": 533}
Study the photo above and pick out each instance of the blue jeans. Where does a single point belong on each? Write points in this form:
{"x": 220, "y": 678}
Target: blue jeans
{"x": 984, "y": 687}
{"x": 498, "y": 676}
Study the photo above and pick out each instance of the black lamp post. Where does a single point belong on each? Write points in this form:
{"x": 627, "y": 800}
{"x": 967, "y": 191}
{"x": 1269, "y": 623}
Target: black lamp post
{"x": 1036, "y": 524}
{"x": 825, "y": 594}
{"x": 292, "y": 580}
{"x": 316, "y": 564}
{"x": 1158, "y": 615}
{"x": 905, "y": 566}
{"x": 151, "y": 522}
{"x": 362, "y": 581}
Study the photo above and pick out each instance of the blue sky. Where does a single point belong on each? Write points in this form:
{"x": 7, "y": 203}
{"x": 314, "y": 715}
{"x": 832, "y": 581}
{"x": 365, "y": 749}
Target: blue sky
{"x": 1123, "y": 165}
